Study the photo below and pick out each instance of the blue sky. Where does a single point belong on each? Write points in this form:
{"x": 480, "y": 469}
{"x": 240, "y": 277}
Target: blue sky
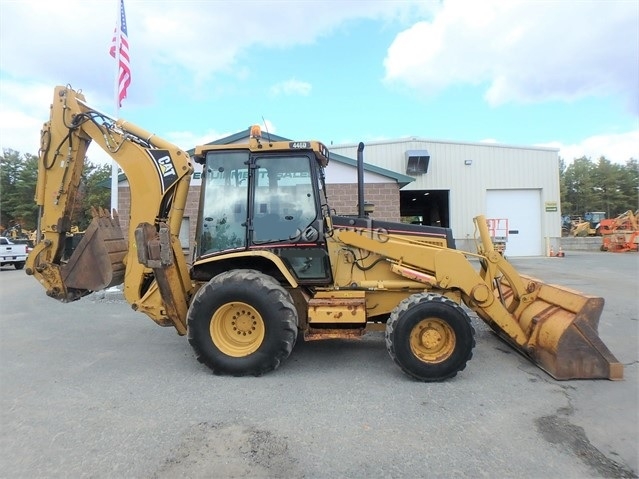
{"x": 557, "y": 73}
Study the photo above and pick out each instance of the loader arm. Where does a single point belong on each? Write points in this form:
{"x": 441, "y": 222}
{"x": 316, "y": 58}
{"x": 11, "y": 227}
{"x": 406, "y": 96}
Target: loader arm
{"x": 554, "y": 326}
{"x": 149, "y": 259}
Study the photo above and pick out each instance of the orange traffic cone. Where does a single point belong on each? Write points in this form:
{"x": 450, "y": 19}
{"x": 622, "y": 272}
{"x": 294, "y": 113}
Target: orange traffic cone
{"x": 560, "y": 253}
{"x": 552, "y": 252}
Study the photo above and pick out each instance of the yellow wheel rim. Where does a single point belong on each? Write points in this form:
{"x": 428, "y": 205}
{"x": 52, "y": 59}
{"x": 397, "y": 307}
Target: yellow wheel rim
{"x": 237, "y": 329}
{"x": 432, "y": 340}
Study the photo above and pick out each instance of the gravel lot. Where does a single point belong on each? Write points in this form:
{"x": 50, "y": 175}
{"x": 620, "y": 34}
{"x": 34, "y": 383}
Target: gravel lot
{"x": 93, "y": 389}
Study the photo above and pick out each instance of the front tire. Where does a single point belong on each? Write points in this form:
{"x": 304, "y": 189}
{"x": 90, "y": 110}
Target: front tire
{"x": 242, "y": 323}
{"x": 430, "y": 337}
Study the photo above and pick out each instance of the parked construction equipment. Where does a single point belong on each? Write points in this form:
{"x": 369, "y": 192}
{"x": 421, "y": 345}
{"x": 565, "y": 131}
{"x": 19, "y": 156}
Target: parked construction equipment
{"x": 620, "y": 234}
{"x": 588, "y": 224}
{"x": 273, "y": 262}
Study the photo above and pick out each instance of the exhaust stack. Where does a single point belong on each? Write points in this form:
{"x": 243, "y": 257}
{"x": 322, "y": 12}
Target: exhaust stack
{"x": 360, "y": 180}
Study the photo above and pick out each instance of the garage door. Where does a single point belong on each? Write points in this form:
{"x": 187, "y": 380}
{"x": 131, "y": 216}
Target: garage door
{"x": 522, "y": 208}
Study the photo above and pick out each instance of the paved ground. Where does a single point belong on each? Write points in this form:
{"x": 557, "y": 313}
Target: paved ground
{"x": 93, "y": 389}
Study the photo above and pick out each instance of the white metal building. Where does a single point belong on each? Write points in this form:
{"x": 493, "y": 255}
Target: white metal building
{"x": 438, "y": 183}
{"x": 455, "y": 182}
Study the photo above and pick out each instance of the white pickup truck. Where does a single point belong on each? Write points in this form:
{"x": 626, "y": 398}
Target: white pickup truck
{"x": 11, "y": 253}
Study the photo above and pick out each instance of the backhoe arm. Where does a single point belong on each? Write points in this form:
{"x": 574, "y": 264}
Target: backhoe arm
{"x": 149, "y": 260}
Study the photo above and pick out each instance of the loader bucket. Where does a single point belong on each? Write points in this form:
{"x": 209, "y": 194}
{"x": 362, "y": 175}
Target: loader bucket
{"x": 561, "y": 330}
{"x": 97, "y": 261}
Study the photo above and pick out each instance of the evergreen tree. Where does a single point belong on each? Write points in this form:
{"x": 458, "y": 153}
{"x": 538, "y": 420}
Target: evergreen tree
{"x": 18, "y": 178}
{"x": 629, "y": 188}
{"x": 606, "y": 177}
{"x": 580, "y": 186}
{"x": 18, "y": 174}
{"x": 602, "y": 186}
{"x": 94, "y": 192}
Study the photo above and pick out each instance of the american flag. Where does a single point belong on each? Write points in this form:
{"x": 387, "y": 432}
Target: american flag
{"x": 124, "y": 69}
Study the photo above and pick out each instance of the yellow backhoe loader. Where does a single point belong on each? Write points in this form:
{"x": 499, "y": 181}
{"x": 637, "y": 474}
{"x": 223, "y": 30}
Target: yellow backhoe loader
{"x": 273, "y": 263}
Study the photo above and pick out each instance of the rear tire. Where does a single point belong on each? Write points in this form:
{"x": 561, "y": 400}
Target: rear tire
{"x": 19, "y": 265}
{"x": 430, "y": 337}
{"x": 242, "y": 323}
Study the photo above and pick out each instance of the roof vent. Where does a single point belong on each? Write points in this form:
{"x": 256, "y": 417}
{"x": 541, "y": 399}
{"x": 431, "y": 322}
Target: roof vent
{"x": 417, "y": 162}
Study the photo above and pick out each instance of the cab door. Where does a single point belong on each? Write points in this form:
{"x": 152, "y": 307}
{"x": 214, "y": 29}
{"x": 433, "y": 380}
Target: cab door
{"x": 223, "y": 204}
{"x": 286, "y": 217}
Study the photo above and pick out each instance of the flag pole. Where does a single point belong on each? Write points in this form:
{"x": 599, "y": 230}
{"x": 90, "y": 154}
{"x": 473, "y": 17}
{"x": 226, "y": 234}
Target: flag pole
{"x": 114, "y": 164}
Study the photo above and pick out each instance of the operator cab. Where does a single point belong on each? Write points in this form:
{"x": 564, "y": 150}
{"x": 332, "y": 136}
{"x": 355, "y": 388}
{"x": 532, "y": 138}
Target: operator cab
{"x": 265, "y": 196}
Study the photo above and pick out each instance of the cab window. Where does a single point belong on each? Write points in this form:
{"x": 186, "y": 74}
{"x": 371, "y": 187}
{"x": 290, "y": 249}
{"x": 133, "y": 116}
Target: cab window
{"x": 223, "y": 206}
{"x": 284, "y": 202}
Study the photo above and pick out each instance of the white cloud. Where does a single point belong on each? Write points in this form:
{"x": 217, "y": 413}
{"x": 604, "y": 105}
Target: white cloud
{"x": 188, "y": 139}
{"x": 22, "y": 109}
{"x": 291, "y": 87}
{"x": 269, "y": 127}
{"x": 524, "y": 51}
{"x": 58, "y": 42}
{"x": 617, "y": 148}
{"x": 24, "y": 106}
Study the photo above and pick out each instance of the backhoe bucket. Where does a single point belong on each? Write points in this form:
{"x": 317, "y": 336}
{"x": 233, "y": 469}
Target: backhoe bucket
{"x": 561, "y": 330}
{"x": 97, "y": 261}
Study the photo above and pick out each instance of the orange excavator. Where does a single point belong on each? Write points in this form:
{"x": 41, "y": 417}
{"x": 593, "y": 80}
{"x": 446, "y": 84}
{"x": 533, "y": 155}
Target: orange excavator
{"x": 620, "y": 234}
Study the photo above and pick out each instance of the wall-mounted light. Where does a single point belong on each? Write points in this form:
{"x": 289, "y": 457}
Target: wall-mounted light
{"x": 369, "y": 208}
{"x": 468, "y": 162}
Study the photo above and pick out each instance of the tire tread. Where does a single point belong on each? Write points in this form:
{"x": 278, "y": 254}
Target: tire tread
{"x": 404, "y": 306}
{"x": 281, "y": 302}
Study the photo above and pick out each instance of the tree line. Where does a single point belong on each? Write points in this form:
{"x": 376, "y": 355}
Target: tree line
{"x": 585, "y": 185}
{"x": 18, "y": 177}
